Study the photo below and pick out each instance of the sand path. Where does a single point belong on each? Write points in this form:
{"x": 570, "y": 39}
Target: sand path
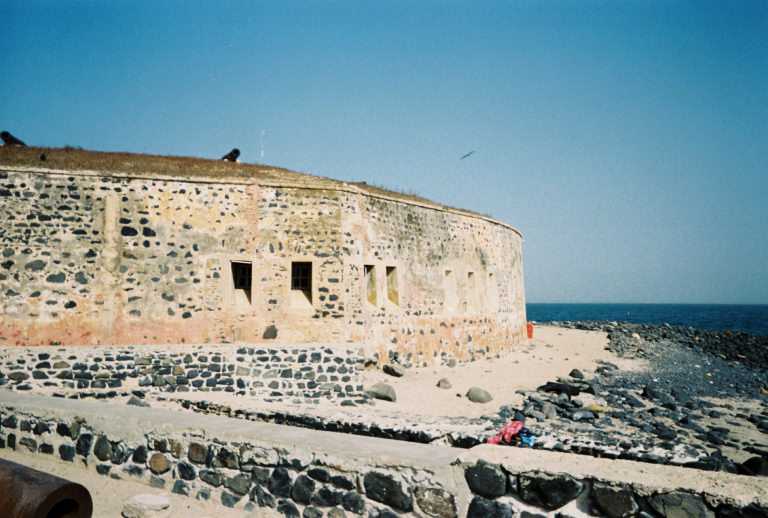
{"x": 553, "y": 352}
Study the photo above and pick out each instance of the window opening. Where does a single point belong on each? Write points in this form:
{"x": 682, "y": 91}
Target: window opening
{"x": 301, "y": 278}
{"x": 369, "y": 275}
{"x": 242, "y": 273}
{"x": 392, "y": 292}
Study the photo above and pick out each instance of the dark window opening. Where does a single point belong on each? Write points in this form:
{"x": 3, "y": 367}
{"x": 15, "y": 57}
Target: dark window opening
{"x": 241, "y": 278}
{"x": 301, "y": 278}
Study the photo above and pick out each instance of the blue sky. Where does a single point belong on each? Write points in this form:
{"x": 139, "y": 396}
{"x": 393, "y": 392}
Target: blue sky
{"x": 627, "y": 140}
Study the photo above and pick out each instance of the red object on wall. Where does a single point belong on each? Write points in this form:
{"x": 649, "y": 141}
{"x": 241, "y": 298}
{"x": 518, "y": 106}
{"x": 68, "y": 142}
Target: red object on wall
{"x": 530, "y": 330}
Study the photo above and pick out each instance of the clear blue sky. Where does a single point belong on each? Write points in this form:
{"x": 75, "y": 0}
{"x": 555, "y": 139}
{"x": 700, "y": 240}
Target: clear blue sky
{"x": 627, "y": 140}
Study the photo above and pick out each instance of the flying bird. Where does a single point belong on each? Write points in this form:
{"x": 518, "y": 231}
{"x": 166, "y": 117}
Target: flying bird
{"x": 232, "y": 155}
{"x": 467, "y": 155}
{"x": 10, "y": 140}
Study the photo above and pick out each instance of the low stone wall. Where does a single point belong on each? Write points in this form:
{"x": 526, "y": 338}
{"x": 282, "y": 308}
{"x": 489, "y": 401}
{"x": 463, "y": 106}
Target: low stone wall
{"x": 308, "y": 473}
{"x": 272, "y": 374}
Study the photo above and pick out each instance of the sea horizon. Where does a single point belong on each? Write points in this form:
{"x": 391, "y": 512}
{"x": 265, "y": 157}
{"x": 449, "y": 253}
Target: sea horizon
{"x": 748, "y": 318}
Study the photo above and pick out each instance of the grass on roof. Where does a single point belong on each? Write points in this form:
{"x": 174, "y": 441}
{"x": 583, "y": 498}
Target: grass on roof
{"x": 78, "y": 159}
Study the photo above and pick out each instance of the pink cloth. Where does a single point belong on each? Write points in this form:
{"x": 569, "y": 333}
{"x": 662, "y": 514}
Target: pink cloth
{"x": 507, "y": 433}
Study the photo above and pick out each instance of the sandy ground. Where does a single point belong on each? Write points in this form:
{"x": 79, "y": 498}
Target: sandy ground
{"x": 109, "y": 495}
{"x": 553, "y": 352}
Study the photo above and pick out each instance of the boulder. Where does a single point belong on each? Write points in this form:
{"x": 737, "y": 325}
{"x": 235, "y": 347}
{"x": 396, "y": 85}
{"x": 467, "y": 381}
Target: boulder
{"x": 443, "y": 383}
{"x": 384, "y": 488}
{"x": 394, "y": 370}
{"x": 548, "y": 491}
{"x": 614, "y": 502}
{"x": 478, "y": 395}
{"x": 145, "y": 506}
{"x": 486, "y": 479}
{"x": 158, "y": 463}
{"x": 382, "y": 391}
{"x": 134, "y": 401}
{"x": 436, "y": 502}
{"x": 483, "y": 508}
{"x": 678, "y": 504}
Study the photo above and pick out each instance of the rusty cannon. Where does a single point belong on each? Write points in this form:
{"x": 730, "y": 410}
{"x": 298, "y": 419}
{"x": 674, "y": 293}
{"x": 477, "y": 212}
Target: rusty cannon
{"x": 28, "y": 493}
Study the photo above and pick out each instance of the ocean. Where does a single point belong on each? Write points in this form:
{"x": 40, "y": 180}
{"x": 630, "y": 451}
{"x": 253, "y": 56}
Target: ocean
{"x": 752, "y": 319}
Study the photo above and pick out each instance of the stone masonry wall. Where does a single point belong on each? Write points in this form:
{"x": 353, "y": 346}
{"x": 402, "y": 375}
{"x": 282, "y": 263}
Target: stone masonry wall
{"x": 369, "y": 477}
{"x": 271, "y": 374}
{"x": 100, "y": 258}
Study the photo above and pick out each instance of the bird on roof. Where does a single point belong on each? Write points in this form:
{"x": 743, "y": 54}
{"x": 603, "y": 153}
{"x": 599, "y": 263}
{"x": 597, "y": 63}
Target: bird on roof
{"x": 467, "y": 155}
{"x": 10, "y": 140}
{"x": 232, "y": 155}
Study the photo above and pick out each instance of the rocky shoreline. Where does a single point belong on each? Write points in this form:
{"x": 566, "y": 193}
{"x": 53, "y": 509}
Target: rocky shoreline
{"x": 702, "y": 402}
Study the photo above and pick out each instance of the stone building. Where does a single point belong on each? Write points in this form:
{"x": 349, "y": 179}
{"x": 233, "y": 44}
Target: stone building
{"x": 107, "y": 248}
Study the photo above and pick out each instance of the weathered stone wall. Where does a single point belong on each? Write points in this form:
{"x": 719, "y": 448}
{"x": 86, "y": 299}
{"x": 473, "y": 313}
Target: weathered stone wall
{"x": 98, "y": 258}
{"x": 310, "y": 473}
{"x": 270, "y": 374}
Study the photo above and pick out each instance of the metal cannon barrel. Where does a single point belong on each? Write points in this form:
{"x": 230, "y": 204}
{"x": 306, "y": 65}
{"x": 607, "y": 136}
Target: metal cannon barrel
{"x": 28, "y": 493}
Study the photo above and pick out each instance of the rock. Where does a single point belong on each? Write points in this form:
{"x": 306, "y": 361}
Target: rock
{"x": 382, "y": 391}
{"x": 288, "y": 509}
{"x": 312, "y": 512}
{"x": 549, "y": 410}
{"x": 436, "y": 502}
{"x": 336, "y": 513}
{"x": 615, "y": 502}
{"x": 583, "y": 415}
{"x": 67, "y": 452}
{"x": 186, "y": 471}
{"x": 443, "y": 383}
{"x": 181, "y": 488}
{"x": 576, "y": 374}
{"x": 280, "y": 483}
{"x": 678, "y": 504}
{"x": 548, "y": 491}
{"x": 228, "y": 499}
{"x": 394, "y": 370}
{"x": 18, "y": 376}
{"x": 387, "y": 490}
{"x": 134, "y": 401}
{"x": 145, "y": 506}
{"x": 239, "y": 484}
{"x": 353, "y": 502}
{"x": 270, "y": 333}
{"x": 211, "y": 476}
{"x": 326, "y": 497}
{"x": 140, "y": 454}
{"x": 560, "y": 388}
{"x": 197, "y": 453}
{"x": 478, "y": 395}
{"x": 483, "y": 508}
{"x": 262, "y": 497}
{"x": 103, "y": 448}
{"x": 83, "y": 444}
{"x": 158, "y": 463}
{"x": 303, "y": 487}
{"x": 486, "y": 479}
{"x": 756, "y": 466}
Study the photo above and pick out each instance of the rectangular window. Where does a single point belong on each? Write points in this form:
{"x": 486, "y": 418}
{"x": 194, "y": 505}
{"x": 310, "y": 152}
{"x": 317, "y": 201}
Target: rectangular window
{"x": 392, "y": 293}
{"x": 242, "y": 274}
{"x": 369, "y": 278}
{"x": 301, "y": 278}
